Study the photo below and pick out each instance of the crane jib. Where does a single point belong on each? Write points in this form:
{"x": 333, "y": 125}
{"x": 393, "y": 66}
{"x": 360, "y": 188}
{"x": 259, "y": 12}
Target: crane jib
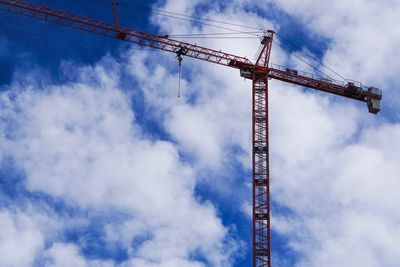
{"x": 370, "y": 95}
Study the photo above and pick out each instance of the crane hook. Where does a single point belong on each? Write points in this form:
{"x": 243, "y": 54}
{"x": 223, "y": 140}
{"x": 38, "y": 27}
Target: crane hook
{"x": 179, "y": 53}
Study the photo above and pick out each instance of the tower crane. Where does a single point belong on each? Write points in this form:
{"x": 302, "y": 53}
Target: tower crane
{"x": 260, "y": 72}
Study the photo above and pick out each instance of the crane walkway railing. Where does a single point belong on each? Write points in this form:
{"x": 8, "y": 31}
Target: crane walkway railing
{"x": 316, "y": 77}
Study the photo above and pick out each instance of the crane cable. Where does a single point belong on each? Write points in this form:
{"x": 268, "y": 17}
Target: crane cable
{"x": 218, "y": 35}
{"x": 304, "y": 61}
{"x": 307, "y": 54}
{"x": 215, "y": 33}
{"x": 193, "y": 19}
{"x": 199, "y": 20}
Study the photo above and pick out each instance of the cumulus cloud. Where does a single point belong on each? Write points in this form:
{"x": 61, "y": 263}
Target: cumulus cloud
{"x": 339, "y": 175}
{"x": 80, "y": 144}
{"x": 333, "y": 165}
{"x": 20, "y": 239}
{"x": 203, "y": 129}
{"x": 364, "y": 38}
{"x": 331, "y": 162}
{"x": 65, "y": 255}
{"x": 211, "y": 123}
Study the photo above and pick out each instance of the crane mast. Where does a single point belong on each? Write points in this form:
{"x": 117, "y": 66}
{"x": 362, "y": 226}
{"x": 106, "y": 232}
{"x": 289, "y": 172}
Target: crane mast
{"x": 260, "y": 160}
{"x": 259, "y": 72}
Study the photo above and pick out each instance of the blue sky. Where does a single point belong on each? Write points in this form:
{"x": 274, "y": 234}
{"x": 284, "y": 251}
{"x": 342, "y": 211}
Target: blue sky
{"x": 101, "y": 164}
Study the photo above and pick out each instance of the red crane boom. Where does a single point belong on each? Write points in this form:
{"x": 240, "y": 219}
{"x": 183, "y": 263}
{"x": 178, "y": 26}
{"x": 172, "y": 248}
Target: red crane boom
{"x": 259, "y": 72}
{"x": 349, "y": 90}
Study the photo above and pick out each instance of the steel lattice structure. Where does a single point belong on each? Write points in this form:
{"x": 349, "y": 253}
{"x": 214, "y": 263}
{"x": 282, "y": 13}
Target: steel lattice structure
{"x": 261, "y": 207}
{"x": 260, "y": 182}
{"x": 259, "y": 72}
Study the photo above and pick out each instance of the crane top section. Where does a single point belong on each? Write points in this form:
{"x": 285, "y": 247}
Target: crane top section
{"x": 261, "y": 68}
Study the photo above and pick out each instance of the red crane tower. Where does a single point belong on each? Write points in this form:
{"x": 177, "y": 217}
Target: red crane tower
{"x": 259, "y": 72}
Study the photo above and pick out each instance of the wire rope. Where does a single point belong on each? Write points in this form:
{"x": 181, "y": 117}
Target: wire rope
{"x": 304, "y": 61}
{"x": 308, "y": 54}
{"x": 188, "y": 16}
{"x": 200, "y": 20}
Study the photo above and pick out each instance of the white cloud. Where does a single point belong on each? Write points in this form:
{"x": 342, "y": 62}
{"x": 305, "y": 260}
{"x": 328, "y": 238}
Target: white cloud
{"x": 80, "y": 144}
{"x": 341, "y": 184}
{"x": 66, "y": 255}
{"x": 364, "y": 38}
{"x": 339, "y": 173}
{"x": 207, "y": 128}
{"x": 20, "y": 239}
{"x": 27, "y": 228}
{"x": 333, "y": 165}
{"x": 214, "y": 130}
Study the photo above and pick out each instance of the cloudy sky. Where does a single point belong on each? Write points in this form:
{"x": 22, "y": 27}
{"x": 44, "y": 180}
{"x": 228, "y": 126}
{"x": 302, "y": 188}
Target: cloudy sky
{"x": 101, "y": 164}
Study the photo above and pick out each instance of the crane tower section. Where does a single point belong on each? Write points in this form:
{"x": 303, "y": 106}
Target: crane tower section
{"x": 260, "y": 158}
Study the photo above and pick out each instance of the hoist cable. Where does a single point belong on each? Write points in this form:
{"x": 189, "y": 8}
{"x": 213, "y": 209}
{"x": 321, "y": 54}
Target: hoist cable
{"x": 308, "y": 54}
